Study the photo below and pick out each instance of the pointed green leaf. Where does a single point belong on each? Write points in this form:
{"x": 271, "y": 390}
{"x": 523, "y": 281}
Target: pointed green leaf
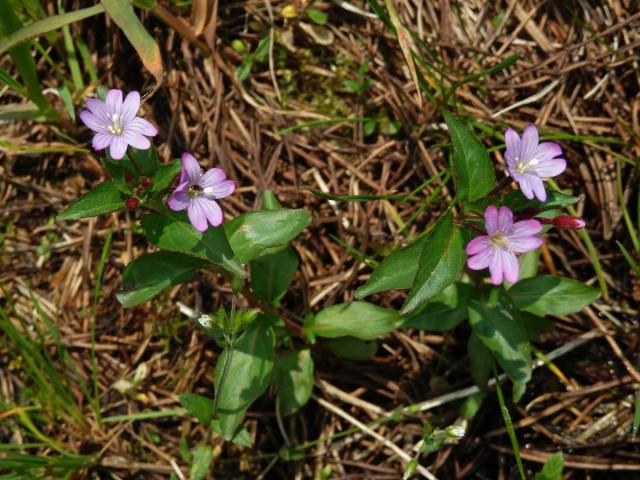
{"x": 551, "y": 295}
{"x": 293, "y": 376}
{"x": 552, "y": 469}
{"x": 472, "y": 169}
{"x": 172, "y": 231}
{"x": 249, "y": 375}
{"x": 443, "y": 312}
{"x": 440, "y": 264}
{"x": 356, "y": 319}
{"x": 351, "y": 348}
{"x": 272, "y": 274}
{"x": 397, "y": 270}
{"x": 104, "y": 198}
{"x": 198, "y": 406}
{"x": 256, "y": 233}
{"x": 480, "y": 361}
{"x": 516, "y": 201}
{"x": 202, "y": 458}
{"x": 496, "y": 322}
{"x": 164, "y": 176}
{"x": 150, "y": 274}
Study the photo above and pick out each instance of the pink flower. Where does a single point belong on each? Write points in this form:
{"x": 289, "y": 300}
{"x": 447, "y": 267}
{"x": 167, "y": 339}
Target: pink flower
{"x": 116, "y": 124}
{"x": 198, "y": 192}
{"x": 505, "y": 239}
{"x": 529, "y": 162}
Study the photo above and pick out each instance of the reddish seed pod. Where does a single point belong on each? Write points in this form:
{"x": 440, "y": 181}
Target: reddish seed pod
{"x": 147, "y": 182}
{"x": 568, "y": 222}
{"x": 132, "y": 203}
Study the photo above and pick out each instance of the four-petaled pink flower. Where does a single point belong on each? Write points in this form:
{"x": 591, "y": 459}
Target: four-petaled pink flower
{"x": 529, "y": 162}
{"x": 198, "y": 192}
{"x": 505, "y": 239}
{"x": 116, "y": 124}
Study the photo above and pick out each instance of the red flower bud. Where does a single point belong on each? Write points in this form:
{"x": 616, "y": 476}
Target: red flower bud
{"x": 147, "y": 182}
{"x": 132, "y": 203}
{"x": 568, "y": 222}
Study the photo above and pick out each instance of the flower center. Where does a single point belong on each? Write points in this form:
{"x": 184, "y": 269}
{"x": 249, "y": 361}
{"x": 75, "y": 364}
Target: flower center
{"x": 523, "y": 167}
{"x": 499, "y": 240}
{"x": 194, "y": 191}
{"x": 116, "y": 127}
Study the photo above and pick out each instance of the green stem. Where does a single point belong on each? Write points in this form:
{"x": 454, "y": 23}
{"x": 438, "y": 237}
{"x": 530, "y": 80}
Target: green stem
{"x": 223, "y": 377}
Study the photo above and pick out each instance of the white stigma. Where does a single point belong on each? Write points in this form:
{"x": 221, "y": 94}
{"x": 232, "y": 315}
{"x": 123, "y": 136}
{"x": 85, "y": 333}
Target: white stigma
{"x": 500, "y": 240}
{"x": 523, "y": 167}
{"x": 116, "y": 127}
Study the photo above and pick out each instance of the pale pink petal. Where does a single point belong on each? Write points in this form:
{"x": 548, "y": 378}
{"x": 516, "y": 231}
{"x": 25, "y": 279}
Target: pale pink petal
{"x": 93, "y": 121}
{"x": 190, "y": 169}
{"x": 221, "y": 190}
{"x": 179, "y": 200}
{"x": 510, "y": 267}
{"x": 538, "y": 187}
{"x": 529, "y": 143}
{"x": 97, "y": 107}
{"x": 212, "y": 177}
{"x": 525, "y": 186}
{"x": 524, "y": 244}
{"x": 525, "y": 228}
{"x": 510, "y": 160}
{"x": 478, "y": 245}
{"x": 197, "y": 214}
{"x": 101, "y": 141}
{"x": 512, "y": 141}
{"x": 550, "y": 168}
{"x": 481, "y": 260}
{"x": 547, "y": 151}
{"x": 505, "y": 219}
{"x": 136, "y": 140}
{"x": 113, "y": 101}
{"x": 495, "y": 266}
{"x": 212, "y": 211}
{"x": 142, "y": 126}
{"x": 118, "y": 147}
{"x": 130, "y": 106}
{"x": 491, "y": 219}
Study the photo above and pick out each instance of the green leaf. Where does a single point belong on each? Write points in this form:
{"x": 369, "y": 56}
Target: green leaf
{"x": 496, "y": 322}
{"x": 272, "y": 274}
{"x": 552, "y": 469}
{"x": 529, "y": 263}
{"x": 164, "y": 175}
{"x": 252, "y": 234}
{"x": 471, "y": 405}
{"x": 472, "y": 170}
{"x": 636, "y": 417}
{"x": 551, "y": 295}
{"x": 397, "y": 270}
{"x": 150, "y": 274}
{"x": 293, "y": 376}
{"x": 516, "y": 201}
{"x": 172, "y": 231}
{"x": 440, "y": 264}
{"x": 317, "y": 16}
{"x": 352, "y": 86}
{"x": 104, "y": 198}
{"x": 480, "y": 361}
{"x": 124, "y": 16}
{"x": 202, "y": 458}
{"x": 356, "y": 319}
{"x": 249, "y": 375}
{"x": 351, "y": 348}
{"x": 443, "y": 312}
{"x": 146, "y": 160}
{"x": 534, "y": 325}
{"x": 118, "y": 171}
{"x": 198, "y": 406}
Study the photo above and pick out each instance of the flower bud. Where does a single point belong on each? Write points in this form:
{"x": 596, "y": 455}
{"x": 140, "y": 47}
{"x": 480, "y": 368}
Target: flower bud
{"x": 132, "y": 203}
{"x": 147, "y": 182}
{"x": 568, "y": 222}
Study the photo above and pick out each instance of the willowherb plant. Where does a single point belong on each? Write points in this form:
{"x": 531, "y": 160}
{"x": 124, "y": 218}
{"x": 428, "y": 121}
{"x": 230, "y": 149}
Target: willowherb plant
{"x": 178, "y": 208}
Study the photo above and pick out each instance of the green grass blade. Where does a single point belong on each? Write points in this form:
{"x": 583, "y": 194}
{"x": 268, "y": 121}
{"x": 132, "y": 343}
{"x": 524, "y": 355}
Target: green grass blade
{"x": 510, "y": 429}
{"x": 627, "y": 256}
{"x": 636, "y": 417}
{"x": 72, "y": 58}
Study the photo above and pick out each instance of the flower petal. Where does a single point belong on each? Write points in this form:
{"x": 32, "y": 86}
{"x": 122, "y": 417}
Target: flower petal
{"x": 118, "y": 147}
{"x": 97, "y": 107}
{"x": 92, "y": 121}
{"x": 550, "y": 167}
{"x": 221, "y": 190}
{"x": 212, "y": 177}
{"x": 529, "y": 143}
{"x": 491, "y": 219}
{"x": 525, "y": 228}
{"x": 513, "y": 142}
{"x": 136, "y": 140}
{"x": 130, "y": 106}
{"x": 495, "y": 266}
{"x": 197, "y": 214}
{"x": 505, "y": 219}
{"x": 179, "y": 200}
{"x": 113, "y": 102}
{"x": 190, "y": 169}
{"x": 524, "y": 244}
{"x": 547, "y": 151}
{"x": 525, "y": 186}
{"x": 101, "y": 141}
{"x": 142, "y": 126}
{"x": 478, "y": 244}
{"x": 510, "y": 267}
{"x": 538, "y": 187}
{"x": 212, "y": 211}
{"x": 481, "y": 260}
